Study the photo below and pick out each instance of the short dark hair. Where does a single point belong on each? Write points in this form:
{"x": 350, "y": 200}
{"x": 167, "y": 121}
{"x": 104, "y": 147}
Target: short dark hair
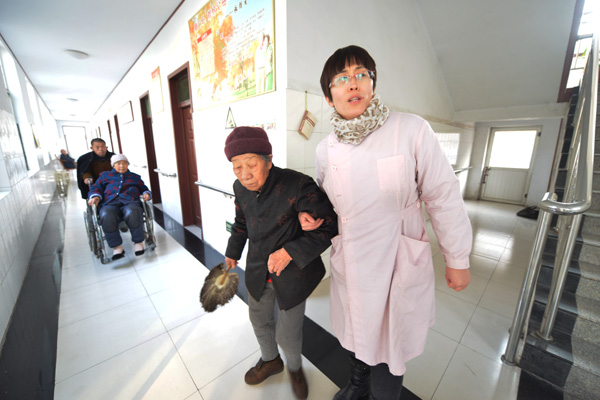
{"x": 96, "y": 140}
{"x": 338, "y": 61}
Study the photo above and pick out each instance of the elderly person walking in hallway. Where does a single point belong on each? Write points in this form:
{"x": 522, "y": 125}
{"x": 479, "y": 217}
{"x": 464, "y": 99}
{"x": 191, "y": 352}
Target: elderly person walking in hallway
{"x": 283, "y": 266}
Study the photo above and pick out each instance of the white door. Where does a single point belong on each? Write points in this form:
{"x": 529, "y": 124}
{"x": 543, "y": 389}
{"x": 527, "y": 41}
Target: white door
{"x": 507, "y": 171}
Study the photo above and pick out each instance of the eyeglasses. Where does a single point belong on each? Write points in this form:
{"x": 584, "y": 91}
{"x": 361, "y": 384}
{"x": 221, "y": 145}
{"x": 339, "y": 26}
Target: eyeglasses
{"x": 344, "y": 80}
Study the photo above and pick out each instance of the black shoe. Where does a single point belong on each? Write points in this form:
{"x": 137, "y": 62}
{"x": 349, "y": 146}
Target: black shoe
{"x": 118, "y": 256}
{"x": 141, "y": 251}
{"x": 359, "y": 386}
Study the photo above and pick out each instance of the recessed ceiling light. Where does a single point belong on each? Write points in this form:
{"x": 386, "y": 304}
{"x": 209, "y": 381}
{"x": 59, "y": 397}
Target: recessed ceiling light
{"x": 80, "y": 55}
{"x": 72, "y": 99}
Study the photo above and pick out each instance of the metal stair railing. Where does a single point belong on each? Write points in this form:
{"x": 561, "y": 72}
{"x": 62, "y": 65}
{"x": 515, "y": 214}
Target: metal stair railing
{"x": 577, "y": 199}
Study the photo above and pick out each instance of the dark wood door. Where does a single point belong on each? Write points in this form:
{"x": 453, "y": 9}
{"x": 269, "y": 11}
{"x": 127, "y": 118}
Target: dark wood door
{"x": 187, "y": 170}
{"x": 192, "y": 167}
{"x": 112, "y": 146}
{"x": 150, "y": 149}
{"x": 118, "y": 134}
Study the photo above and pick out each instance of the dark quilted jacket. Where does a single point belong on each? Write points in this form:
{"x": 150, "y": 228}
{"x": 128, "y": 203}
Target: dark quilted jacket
{"x": 269, "y": 220}
{"x": 111, "y": 185}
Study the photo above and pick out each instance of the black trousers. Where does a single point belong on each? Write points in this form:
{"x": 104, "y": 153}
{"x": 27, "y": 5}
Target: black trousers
{"x": 384, "y": 385}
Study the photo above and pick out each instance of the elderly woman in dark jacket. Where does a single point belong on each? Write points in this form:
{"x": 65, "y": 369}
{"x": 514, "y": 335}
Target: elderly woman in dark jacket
{"x": 118, "y": 192}
{"x": 283, "y": 263}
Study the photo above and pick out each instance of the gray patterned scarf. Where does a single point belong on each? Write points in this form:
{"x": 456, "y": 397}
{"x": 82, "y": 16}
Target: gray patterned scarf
{"x": 355, "y": 130}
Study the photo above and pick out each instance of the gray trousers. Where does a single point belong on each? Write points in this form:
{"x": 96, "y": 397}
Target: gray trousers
{"x": 285, "y": 330}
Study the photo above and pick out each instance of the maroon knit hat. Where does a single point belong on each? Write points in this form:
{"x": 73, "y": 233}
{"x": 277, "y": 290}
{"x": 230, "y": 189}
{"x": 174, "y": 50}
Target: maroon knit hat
{"x": 247, "y": 139}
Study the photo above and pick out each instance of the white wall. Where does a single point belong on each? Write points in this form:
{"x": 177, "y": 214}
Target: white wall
{"x": 392, "y": 31}
{"x": 170, "y": 50}
{"x": 24, "y": 201}
{"x": 408, "y": 73}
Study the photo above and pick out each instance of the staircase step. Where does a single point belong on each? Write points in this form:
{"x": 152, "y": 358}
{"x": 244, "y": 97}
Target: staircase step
{"x": 595, "y": 201}
{"x": 552, "y": 242}
{"x": 587, "y": 247}
{"x": 582, "y": 384}
{"x": 561, "y": 178}
{"x": 571, "y": 283}
{"x": 565, "y": 321}
{"x": 565, "y": 361}
{"x": 532, "y": 387}
{"x": 588, "y": 308}
{"x": 589, "y": 270}
{"x": 578, "y": 306}
{"x": 591, "y": 223}
{"x": 590, "y": 249}
{"x": 586, "y": 355}
{"x": 547, "y": 360}
{"x": 568, "y": 301}
{"x": 585, "y": 329}
{"x": 563, "y": 161}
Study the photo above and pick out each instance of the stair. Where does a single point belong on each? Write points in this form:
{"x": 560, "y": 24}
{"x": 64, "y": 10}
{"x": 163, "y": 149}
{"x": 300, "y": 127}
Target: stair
{"x": 570, "y": 362}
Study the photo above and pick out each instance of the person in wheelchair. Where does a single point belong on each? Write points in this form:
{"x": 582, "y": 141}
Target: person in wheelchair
{"x": 118, "y": 194}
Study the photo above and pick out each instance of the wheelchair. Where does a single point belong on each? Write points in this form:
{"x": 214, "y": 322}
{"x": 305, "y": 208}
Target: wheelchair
{"x": 96, "y": 238}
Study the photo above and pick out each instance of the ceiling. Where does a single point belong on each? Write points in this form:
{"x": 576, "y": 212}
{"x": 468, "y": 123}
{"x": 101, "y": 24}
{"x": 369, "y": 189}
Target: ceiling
{"x": 493, "y": 54}
{"x": 113, "y": 32}
{"x": 499, "y": 53}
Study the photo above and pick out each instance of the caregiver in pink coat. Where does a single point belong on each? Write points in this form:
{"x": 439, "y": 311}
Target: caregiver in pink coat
{"x": 378, "y": 168}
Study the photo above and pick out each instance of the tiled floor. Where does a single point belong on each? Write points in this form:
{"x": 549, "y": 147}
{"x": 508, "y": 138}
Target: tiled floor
{"x": 134, "y": 328}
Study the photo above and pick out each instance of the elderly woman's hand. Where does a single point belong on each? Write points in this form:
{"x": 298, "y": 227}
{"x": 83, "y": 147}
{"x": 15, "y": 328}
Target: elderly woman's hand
{"x": 94, "y": 200}
{"x": 230, "y": 262}
{"x": 278, "y": 260}
{"x": 146, "y": 196}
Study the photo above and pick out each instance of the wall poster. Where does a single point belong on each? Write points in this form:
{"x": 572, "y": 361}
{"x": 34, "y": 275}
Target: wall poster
{"x": 156, "y": 97}
{"x": 232, "y": 51}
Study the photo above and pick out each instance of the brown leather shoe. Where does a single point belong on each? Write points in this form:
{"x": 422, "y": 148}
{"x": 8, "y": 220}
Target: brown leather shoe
{"x": 262, "y": 370}
{"x": 299, "y": 384}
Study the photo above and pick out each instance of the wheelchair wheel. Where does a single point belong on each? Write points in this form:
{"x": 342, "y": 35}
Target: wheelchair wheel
{"x": 150, "y": 239}
{"x": 99, "y": 238}
{"x": 89, "y": 229}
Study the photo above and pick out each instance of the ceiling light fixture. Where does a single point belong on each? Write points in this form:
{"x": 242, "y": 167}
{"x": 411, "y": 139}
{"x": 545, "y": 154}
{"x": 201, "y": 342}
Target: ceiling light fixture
{"x": 80, "y": 55}
{"x": 72, "y": 99}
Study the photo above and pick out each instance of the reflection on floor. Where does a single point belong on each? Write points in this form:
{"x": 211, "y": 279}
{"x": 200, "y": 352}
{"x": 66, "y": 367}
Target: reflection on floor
{"x": 134, "y": 328}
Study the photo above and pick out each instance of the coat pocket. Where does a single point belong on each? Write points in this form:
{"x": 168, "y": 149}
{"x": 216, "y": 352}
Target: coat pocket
{"x": 413, "y": 280}
{"x": 391, "y": 174}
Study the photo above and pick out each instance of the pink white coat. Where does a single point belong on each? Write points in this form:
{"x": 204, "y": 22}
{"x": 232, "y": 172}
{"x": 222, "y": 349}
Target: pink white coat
{"x": 382, "y": 281}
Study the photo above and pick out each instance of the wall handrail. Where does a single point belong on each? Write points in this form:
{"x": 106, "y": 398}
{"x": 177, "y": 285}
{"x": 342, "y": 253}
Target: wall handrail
{"x": 216, "y": 189}
{"x": 459, "y": 170}
{"x": 577, "y": 199}
{"x": 167, "y": 174}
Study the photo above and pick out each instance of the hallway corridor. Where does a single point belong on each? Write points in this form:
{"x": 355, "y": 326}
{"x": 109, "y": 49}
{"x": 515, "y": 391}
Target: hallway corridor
{"x": 135, "y": 329}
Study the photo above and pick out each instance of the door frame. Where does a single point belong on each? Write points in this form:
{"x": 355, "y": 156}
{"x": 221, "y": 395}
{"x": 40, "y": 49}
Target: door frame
{"x": 488, "y": 153}
{"x": 150, "y": 149}
{"x": 118, "y": 131}
{"x": 185, "y": 189}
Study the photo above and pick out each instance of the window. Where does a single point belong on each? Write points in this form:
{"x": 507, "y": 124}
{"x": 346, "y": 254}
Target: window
{"x": 587, "y": 25}
{"x": 449, "y": 143}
